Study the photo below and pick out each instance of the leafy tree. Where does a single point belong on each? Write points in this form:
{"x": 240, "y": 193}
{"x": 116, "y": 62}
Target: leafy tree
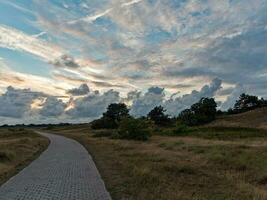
{"x": 111, "y": 118}
{"x": 158, "y": 115}
{"x": 247, "y": 102}
{"x": 188, "y": 117}
{"x": 201, "y": 112}
{"x": 116, "y": 111}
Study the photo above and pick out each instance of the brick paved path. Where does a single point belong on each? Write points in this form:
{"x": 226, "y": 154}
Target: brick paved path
{"x": 65, "y": 171}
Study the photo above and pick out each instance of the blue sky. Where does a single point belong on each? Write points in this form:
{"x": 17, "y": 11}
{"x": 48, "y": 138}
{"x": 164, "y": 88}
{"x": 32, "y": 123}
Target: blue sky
{"x": 128, "y": 47}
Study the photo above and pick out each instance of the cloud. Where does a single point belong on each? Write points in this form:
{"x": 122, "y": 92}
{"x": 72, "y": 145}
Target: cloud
{"x": 65, "y": 61}
{"x": 130, "y": 45}
{"x": 144, "y": 103}
{"x": 175, "y": 105}
{"x": 26, "y": 104}
{"x": 130, "y": 3}
{"x": 16, "y": 103}
{"x": 231, "y": 99}
{"x": 82, "y": 90}
{"x": 131, "y": 96}
{"x": 93, "y": 105}
{"x": 39, "y": 34}
{"x": 14, "y": 39}
{"x": 17, "y": 40}
{"x": 18, "y": 7}
{"x": 52, "y": 107}
{"x": 37, "y": 83}
{"x": 92, "y": 18}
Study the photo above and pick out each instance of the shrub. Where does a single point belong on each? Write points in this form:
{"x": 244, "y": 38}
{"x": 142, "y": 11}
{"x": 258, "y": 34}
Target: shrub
{"x": 180, "y": 129}
{"x": 104, "y": 133}
{"x": 134, "y": 129}
{"x": 104, "y": 123}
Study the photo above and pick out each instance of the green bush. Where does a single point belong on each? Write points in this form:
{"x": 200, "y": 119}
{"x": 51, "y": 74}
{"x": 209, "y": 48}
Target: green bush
{"x": 180, "y": 129}
{"x": 134, "y": 129}
{"x": 104, "y": 123}
{"x": 104, "y": 132}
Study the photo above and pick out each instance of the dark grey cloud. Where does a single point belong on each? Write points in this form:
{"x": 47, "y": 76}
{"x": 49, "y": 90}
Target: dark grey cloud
{"x": 155, "y": 96}
{"x": 132, "y": 95}
{"x": 93, "y": 105}
{"x": 231, "y": 99}
{"x": 16, "y": 102}
{"x": 226, "y": 91}
{"x": 66, "y": 61}
{"x": 52, "y": 107}
{"x": 82, "y": 90}
{"x": 144, "y": 103}
{"x": 175, "y": 105}
{"x": 156, "y": 90}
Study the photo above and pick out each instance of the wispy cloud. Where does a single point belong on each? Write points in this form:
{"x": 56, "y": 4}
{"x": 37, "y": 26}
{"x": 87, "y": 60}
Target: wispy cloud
{"x": 17, "y": 40}
{"x": 130, "y": 3}
{"x": 92, "y": 18}
{"x": 39, "y": 34}
{"x": 18, "y": 7}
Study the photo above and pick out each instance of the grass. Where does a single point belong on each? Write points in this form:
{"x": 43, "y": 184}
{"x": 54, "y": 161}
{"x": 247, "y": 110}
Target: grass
{"x": 254, "y": 119}
{"x": 190, "y": 166}
{"x": 18, "y": 147}
{"x": 219, "y": 133}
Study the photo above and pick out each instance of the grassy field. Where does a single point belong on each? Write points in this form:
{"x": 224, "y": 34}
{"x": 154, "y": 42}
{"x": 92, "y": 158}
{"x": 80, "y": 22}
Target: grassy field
{"x": 222, "y": 164}
{"x": 255, "y": 119}
{"x": 18, "y": 147}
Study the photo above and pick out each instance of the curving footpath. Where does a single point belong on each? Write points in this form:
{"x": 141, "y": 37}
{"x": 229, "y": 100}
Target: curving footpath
{"x": 65, "y": 171}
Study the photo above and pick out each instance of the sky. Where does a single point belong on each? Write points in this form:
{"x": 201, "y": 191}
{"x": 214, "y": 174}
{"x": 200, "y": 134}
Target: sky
{"x": 67, "y": 60}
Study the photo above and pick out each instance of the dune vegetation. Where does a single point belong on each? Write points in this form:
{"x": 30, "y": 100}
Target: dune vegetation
{"x": 18, "y": 147}
{"x": 192, "y": 156}
{"x": 205, "y": 163}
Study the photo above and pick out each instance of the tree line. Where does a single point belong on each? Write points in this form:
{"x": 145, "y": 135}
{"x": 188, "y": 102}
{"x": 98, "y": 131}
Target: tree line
{"x": 204, "y": 111}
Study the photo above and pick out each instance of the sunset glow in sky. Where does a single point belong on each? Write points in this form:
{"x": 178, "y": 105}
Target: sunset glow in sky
{"x": 67, "y": 60}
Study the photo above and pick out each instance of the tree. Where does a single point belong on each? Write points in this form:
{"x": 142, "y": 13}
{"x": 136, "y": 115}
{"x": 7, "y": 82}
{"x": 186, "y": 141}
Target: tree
{"x": 158, "y": 115}
{"x": 116, "y": 111}
{"x": 247, "y": 102}
{"x": 201, "y": 112}
{"x": 188, "y": 117}
{"x": 112, "y": 117}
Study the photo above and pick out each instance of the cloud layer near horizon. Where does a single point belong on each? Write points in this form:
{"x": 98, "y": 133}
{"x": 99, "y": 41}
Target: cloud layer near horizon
{"x": 26, "y": 106}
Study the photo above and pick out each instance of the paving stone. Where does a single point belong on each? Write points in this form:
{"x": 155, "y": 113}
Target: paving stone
{"x": 64, "y": 171}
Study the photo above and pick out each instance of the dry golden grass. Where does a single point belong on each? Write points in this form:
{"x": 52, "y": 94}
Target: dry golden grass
{"x": 178, "y": 167}
{"x": 18, "y": 147}
{"x": 254, "y": 119}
